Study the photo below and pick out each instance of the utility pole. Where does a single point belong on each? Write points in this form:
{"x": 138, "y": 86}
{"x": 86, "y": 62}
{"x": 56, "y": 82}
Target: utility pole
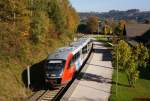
{"x": 31, "y": 7}
{"x": 14, "y": 14}
{"x": 28, "y": 76}
{"x": 98, "y": 28}
{"x": 117, "y": 70}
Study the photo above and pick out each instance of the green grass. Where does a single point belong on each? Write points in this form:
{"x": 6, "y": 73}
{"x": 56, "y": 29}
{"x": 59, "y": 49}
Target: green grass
{"x": 126, "y": 93}
{"x": 101, "y": 38}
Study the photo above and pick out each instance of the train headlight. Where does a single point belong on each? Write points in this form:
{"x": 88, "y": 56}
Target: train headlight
{"x": 61, "y": 73}
{"x": 47, "y": 75}
{"x": 53, "y": 75}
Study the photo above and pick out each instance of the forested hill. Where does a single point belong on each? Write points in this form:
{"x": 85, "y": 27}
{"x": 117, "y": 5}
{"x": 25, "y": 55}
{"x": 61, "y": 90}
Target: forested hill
{"x": 29, "y": 30}
{"x": 132, "y": 14}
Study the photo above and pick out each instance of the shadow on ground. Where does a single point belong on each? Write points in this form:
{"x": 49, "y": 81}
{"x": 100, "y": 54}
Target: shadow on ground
{"x": 93, "y": 77}
{"x": 107, "y": 56}
{"x": 98, "y": 78}
{"x": 145, "y": 73}
{"x": 99, "y": 66}
{"x": 37, "y": 76}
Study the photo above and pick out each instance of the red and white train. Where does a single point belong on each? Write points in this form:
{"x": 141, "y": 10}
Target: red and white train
{"x": 61, "y": 65}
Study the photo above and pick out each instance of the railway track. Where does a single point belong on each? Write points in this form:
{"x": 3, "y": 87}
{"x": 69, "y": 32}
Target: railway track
{"x": 51, "y": 94}
{"x": 47, "y": 95}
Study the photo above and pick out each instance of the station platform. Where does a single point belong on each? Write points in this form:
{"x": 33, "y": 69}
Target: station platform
{"x": 94, "y": 81}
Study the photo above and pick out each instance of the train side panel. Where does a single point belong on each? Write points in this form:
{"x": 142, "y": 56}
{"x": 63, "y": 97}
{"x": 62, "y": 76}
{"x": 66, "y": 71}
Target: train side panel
{"x": 69, "y": 70}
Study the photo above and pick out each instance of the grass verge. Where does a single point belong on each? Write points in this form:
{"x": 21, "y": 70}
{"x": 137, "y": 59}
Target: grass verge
{"x": 141, "y": 92}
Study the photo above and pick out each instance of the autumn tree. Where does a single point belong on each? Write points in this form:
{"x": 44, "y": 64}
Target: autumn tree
{"x": 55, "y": 13}
{"x": 92, "y": 24}
{"x": 120, "y": 29}
{"x": 38, "y": 29}
{"x": 14, "y": 24}
{"x": 127, "y": 61}
{"x": 72, "y": 19}
{"x": 131, "y": 71}
{"x": 147, "y": 21}
{"x": 123, "y": 52}
{"x": 141, "y": 55}
{"x": 107, "y": 30}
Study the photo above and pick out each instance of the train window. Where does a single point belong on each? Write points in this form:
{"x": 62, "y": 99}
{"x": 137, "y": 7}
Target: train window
{"x": 77, "y": 55}
{"x": 71, "y": 63}
{"x": 55, "y": 64}
{"x": 89, "y": 45}
{"x": 74, "y": 58}
{"x": 84, "y": 50}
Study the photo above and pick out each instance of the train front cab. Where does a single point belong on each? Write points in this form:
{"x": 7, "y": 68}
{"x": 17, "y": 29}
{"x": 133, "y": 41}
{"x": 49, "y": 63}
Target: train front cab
{"x": 53, "y": 72}
{"x": 59, "y": 77}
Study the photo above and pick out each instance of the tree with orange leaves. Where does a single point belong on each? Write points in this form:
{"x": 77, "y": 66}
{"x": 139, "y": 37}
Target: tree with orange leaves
{"x": 92, "y": 24}
{"x": 120, "y": 29}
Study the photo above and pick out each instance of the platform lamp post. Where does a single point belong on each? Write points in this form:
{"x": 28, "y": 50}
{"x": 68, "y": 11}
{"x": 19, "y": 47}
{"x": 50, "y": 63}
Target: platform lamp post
{"x": 117, "y": 69}
{"x": 98, "y": 28}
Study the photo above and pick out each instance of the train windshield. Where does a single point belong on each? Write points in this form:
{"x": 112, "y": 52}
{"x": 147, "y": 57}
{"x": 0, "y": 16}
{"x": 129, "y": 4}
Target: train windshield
{"x": 55, "y": 64}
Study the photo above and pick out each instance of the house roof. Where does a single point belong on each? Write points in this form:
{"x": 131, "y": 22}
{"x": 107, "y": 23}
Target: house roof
{"x": 138, "y": 33}
{"x": 134, "y": 30}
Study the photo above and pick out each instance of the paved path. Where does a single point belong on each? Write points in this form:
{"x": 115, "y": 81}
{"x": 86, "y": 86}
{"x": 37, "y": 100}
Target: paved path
{"x": 95, "y": 85}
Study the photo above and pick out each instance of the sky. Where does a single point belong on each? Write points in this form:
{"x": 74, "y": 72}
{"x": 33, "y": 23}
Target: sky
{"x": 106, "y": 5}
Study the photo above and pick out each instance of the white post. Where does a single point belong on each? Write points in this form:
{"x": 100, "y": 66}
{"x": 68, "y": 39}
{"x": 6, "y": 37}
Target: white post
{"x": 98, "y": 28}
{"x": 28, "y": 76}
{"x": 117, "y": 72}
{"x": 14, "y": 15}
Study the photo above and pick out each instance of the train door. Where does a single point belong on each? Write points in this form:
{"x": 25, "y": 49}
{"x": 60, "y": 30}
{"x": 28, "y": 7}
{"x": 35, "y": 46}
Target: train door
{"x": 81, "y": 57}
{"x": 69, "y": 70}
{"x": 84, "y": 52}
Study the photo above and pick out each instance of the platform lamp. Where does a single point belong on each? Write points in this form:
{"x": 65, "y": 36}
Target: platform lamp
{"x": 117, "y": 68}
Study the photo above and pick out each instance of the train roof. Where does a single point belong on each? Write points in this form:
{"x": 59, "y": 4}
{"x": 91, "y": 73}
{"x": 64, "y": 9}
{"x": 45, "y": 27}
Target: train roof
{"x": 79, "y": 42}
{"x": 60, "y": 53}
{"x": 63, "y": 52}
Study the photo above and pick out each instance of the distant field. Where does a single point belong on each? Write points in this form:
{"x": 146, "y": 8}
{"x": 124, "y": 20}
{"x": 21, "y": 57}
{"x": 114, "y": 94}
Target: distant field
{"x": 141, "y": 92}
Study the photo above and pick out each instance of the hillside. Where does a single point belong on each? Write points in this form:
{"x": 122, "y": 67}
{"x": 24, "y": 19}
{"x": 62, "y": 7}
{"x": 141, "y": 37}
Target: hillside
{"x": 28, "y": 32}
{"x": 132, "y": 14}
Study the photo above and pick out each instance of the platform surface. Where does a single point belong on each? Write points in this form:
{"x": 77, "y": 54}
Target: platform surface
{"x": 95, "y": 84}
